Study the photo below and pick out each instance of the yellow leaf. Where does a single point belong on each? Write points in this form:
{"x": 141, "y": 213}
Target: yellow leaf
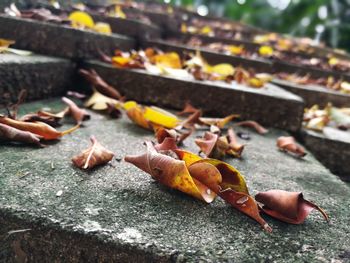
{"x": 345, "y": 87}
{"x": 222, "y": 69}
{"x": 231, "y": 177}
{"x": 183, "y": 28}
{"x": 99, "y": 101}
{"x": 171, "y": 60}
{"x": 235, "y": 50}
{"x": 333, "y": 61}
{"x": 102, "y": 28}
{"x": 121, "y": 61}
{"x": 5, "y": 43}
{"x": 256, "y": 83}
{"x": 129, "y": 104}
{"x": 188, "y": 157}
{"x": 150, "y": 117}
{"x": 206, "y": 30}
{"x": 119, "y": 12}
{"x": 161, "y": 117}
{"x": 81, "y": 19}
{"x": 266, "y": 51}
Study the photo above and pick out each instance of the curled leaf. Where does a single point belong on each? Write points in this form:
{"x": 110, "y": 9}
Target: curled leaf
{"x": 215, "y": 146}
{"x": 38, "y": 128}
{"x": 246, "y": 204}
{"x": 207, "y": 144}
{"x": 80, "y": 19}
{"x": 178, "y": 136}
{"x": 253, "y": 124}
{"x": 150, "y": 118}
{"x": 4, "y": 44}
{"x": 169, "y": 60}
{"x": 95, "y": 155}
{"x": 288, "y": 144}
{"x": 219, "y": 122}
{"x": 100, "y": 85}
{"x": 188, "y": 109}
{"x": 98, "y": 101}
{"x": 8, "y": 133}
{"x": 170, "y": 172}
{"x": 78, "y": 114}
{"x": 200, "y": 178}
{"x": 290, "y": 207}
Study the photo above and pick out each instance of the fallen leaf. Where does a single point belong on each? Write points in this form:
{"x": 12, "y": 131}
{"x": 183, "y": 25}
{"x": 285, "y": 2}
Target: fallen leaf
{"x": 219, "y": 122}
{"x": 188, "y": 109}
{"x": 8, "y": 133}
{"x": 178, "y": 136}
{"x": 253, "y": 124}
{"x": 169, "y": 60}
{"x": 290, "y": 207}
{"x": 150, "y": 117}
{"x": 4, "y": 44}
{"x": 38, "y": 128}
{"x": 288, "y": 144}
{"x": 102, "y": 28}
{"x": 80, "y": 19}
{"x": 266, "y": 51}
{"x": 78, "y": 114}
{"x": 100, "y": 85}
{"x": 203, "y": 179}
{"x": 98, "y": 101}
{"x": 95, "y": 155}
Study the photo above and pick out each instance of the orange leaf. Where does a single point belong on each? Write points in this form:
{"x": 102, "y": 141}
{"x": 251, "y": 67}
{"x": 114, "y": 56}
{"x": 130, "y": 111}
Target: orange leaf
{"x": 288, "y": 144}
{"x": 290, "y": 207}
{"x": 188, "y": 109}
{"x": 95, "y": 155}
{"x": 8, "y": 133}
{"x": 170, "y": 172}
{"x": 78, "y": 114}
{"x": 38, "y": 128}
{"x": 219, "y": 122}
{"x": 200, "y": 178}
{"x": 246, "y": 204}
{"x": 253, "y": 124}
{"x": 216, "y": 147}
{"x": 100, "y": 85}
{"x": 162, "y": 133}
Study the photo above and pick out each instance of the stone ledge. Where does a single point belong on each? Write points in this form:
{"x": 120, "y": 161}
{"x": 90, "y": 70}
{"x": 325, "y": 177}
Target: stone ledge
{"x": 122, "y": 211}
{"x": 271, "y": 106}
{"x": 41, "y": 76}
{"x": 260, "y": 65}
{"x": 334, "y": 154}
{"x": 58, "y": 40}
{"x": 313, "y": 94}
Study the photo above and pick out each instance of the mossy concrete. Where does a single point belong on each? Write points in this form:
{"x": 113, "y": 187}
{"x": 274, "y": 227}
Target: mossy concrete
{"x": 117, "y": 213}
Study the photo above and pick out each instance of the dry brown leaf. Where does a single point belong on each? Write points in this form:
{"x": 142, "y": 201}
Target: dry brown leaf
{"x": 95, "y": 155}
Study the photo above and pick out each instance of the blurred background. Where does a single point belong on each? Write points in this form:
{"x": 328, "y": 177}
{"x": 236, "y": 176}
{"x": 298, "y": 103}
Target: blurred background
{"x": 325, "y": 21}
{"x": 322, "y": 20}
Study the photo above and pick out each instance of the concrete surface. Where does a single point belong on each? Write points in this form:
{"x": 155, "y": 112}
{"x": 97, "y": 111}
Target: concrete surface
{"x": 269, "y": 105}
{"x": 41, "y": 76}
{"x": 117, "y": 213}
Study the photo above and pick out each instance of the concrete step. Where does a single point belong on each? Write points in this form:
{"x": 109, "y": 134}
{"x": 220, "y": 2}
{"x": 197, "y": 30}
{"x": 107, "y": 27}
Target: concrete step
{"x": 117, "y": 213}
{"x": 270, "y": 105}
{"x": 213, "y": 57}
{"x": 332, "y": 153}
{"x": 313, "y": 94}
{"x": 58, "y": 40}
{"x": 41, "y": 76}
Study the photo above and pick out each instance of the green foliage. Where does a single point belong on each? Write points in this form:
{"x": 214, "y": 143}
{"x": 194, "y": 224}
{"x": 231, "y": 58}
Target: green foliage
{"x": 300, "y": 18}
